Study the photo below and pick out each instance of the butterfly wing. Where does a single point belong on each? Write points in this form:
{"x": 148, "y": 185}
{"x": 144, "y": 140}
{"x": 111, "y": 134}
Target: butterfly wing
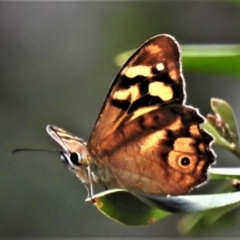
{"x": 67, "y": 140}
{"x": 151, "y": 77}
{"x": 145, "y": 136}
{"x": 162, "y": 151}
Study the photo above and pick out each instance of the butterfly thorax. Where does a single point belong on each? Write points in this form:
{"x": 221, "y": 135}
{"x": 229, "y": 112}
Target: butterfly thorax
{"x": 88, "y": 169}
{"x": 101, "y": 174}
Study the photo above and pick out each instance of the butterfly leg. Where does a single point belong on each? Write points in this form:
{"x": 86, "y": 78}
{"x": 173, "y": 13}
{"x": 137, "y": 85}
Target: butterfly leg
{"x": 90, "y": 191}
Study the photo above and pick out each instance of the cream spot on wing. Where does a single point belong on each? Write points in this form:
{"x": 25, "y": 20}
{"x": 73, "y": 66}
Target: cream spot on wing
{"x": 143, "y": 110}
{"x": 194, "y": 130}
{"x": 184, "y": 145}
{"x": 160, "y": 67}
{"x": 125, "y": 93}
{"x": 153, "y": 49}
{"x": 151, "y": 140}
{"x": 154, "y": 88}
{"x": 134, "y": 93}
{"x": 159, "y": 89}
{"x": 176, "y": 125}
{"x": 201, "y": 147}
{"x": 174, "y": 75}
{"x": 141, "y": 70}
{"x": 121, "y": 94}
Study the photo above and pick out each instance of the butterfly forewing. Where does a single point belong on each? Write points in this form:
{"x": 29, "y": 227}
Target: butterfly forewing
{"x": 151, "y": 77}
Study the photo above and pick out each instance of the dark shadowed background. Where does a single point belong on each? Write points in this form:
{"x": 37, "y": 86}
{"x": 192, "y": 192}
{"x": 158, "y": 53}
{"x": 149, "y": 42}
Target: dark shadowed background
{"x": 56, "y": 65}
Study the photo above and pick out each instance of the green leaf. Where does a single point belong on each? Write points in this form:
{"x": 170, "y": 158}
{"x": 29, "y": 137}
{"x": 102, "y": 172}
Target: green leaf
{"x": 211, "y": 50}
{"x": 125, "y": 208}
{"x": 121, "y": 58}
{"x": 191, "y": 203}
{"x": 212, "y": 58}
{"x": 220, "y": 141}
{"x": 214, "y": 219}
{"x": 224, "y": 173}
{"x": 222, "y": 109}
{"x": 143, "y": 209}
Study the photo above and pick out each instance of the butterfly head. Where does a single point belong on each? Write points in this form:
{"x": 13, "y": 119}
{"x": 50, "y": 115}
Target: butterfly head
{"x": 73, "y": 160}
{"x": 75, "y": 153}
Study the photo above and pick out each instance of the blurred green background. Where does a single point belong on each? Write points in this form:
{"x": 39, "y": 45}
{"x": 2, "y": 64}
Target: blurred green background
{"x": 57, "y": 62}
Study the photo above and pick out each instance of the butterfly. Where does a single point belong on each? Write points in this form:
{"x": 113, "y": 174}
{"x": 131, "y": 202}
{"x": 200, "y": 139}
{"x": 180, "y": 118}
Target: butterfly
{"x": 145, "y": 138}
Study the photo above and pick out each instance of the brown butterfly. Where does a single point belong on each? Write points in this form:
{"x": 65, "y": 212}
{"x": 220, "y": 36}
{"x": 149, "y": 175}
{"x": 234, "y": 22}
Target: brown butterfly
{"x": 145, "y": 139}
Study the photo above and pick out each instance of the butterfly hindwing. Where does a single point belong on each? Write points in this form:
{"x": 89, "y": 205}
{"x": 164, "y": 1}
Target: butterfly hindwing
{"x": 160, "y": 152}
{"x": 67, "y": 140}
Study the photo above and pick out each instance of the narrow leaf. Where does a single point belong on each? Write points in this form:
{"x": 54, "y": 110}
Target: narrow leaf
{"x": 222, "y": 109}
{"x": 212, "y": 58}
{"x": 224, "y": 173}
{"x": 192, "y": 203}
{"x": 125, "y": 208}
{"x": 220, "y": 141}
{"x": 142, "y": 209}
{"x": 209, "y": 220}
{"x": 214, "y": 219}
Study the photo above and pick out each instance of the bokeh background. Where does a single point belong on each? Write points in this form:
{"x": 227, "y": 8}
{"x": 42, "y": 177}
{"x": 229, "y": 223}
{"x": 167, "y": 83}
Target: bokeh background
{"x": 56, "y": 65}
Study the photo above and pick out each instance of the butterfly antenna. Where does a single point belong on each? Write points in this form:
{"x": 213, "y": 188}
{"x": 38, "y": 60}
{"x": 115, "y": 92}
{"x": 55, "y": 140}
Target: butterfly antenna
{"x": 36, "y": 150}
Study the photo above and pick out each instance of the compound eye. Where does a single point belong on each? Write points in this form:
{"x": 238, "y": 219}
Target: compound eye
{"x": 75, "y": 158}
{"x": 185, "y": 161}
